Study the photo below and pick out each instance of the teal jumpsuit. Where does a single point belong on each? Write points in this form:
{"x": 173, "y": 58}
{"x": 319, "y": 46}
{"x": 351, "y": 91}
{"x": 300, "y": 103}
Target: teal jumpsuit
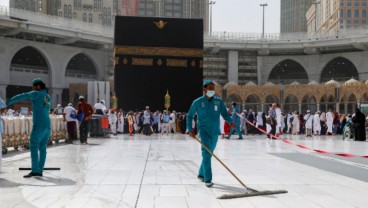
{"x": 208, "y": 125}
{"x": 41, "y": 104}
{"x": 236, "y": 119}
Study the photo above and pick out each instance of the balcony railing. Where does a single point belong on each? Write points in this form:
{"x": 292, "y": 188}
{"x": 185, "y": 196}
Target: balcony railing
{"x": 57, "y": 22}
{"x": 108, "y": 31}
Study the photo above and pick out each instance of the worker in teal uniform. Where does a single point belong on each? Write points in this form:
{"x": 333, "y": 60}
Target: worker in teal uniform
{"x": 41, "y": 104}
{"x": 208, "y": 109}
{"x": 236, "y": 120}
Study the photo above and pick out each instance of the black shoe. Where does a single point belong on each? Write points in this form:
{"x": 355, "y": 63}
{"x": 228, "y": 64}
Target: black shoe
{"x": 201, "y": 178}
{"x": 31, "y": 174}
{"x": 209, "y": 184}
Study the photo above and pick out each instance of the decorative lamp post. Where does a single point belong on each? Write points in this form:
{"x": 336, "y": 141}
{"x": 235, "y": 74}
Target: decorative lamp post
{"x": 167, "y": 100}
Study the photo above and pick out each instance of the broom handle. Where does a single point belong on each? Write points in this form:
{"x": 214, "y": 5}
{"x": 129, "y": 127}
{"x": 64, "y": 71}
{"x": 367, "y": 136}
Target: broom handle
{"x": 209, "y": 151}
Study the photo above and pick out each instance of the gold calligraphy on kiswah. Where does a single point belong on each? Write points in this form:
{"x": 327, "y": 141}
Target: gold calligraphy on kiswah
{"x": 155, "y": 51}
{"x": 176, "y": 62}
{"x": 142, "y": 61}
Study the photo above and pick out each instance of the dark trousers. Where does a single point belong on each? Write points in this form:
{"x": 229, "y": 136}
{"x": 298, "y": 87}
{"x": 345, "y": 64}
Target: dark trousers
{"x": 155, "y": 127}
{"x": 72, "y": 130}
{"x": 273, "y": 131}
{"x": 83, "y": 131}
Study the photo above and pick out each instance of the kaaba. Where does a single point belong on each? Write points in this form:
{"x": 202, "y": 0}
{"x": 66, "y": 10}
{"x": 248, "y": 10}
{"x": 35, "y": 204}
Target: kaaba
{"x": 154, "y": 56}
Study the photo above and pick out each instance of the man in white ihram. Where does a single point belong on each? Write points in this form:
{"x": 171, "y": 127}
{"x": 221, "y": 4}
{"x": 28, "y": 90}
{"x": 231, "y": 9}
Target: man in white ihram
{"x": 329, "y": 121}
{"x": 100, "y": 107}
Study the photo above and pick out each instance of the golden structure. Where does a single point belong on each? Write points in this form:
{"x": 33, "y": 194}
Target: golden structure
{"x": 314, "y": 96}
{"x": 167, "y": 100}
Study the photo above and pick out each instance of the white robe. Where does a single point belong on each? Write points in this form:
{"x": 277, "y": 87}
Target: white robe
{"x": 121, "y": 124}
{"x": 278, "y": 119}
{"x": 329, "y": 121}
{"x": 308, "y": 118}
{"x": 222, "y": 124}
{"x": 296, "y": 124}
{"x": 316, "y": 124}
{"x": 259, "y": 119}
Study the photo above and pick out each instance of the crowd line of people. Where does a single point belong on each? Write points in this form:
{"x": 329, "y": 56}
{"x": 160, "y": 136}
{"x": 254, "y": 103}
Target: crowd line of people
{"x": 274, "y": 122}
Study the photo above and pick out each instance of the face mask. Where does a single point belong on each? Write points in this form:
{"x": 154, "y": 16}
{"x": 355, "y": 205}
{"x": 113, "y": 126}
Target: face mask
{"x": 210, "y": 93}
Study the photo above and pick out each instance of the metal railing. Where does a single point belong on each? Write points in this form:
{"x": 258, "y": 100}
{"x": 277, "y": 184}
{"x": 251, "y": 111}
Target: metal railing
{"x": 287, "y": 37}
{"x": 57, "y": 22}
{"x": 108, "y": 31}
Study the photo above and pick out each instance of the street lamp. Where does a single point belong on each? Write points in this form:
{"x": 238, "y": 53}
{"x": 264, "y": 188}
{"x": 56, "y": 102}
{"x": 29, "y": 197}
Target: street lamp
{"x": 315, "y": 15}
{"x": 211, "y": 3}
{"x": 263, "y": 21}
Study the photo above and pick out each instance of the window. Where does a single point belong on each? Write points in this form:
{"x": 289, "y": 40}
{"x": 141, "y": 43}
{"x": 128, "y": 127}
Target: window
{"x": 74, "y": 15}
{"x": 364, "y": 4}
{"x": 75, "y": 4}
{"x": 348, "y": 21}
{"x": 349, "y": 13}
{"x": 90, "y": 18}
{"x": 356, "y": 21}
{"x": 356, "y": 13}
{"x": 149, "y": 6}
{"x": 69, "y": 11}
{"x": 84, "y": 17}
{"x": 149, "y": 13}
{"x": 141, "y": 13}
{"x": 95, "y": 5}
{"x": 65, "y": 11}
{"x": 60, "y": 14}
{"x": 341, "y": 13}
{"x": 356, "y": 3}
{"x": 364, "y": 13}
{"x": 364, "y": 21}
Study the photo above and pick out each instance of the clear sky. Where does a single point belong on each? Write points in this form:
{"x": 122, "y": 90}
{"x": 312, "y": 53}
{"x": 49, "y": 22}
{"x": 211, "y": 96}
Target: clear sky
{"x": 4, "y": 2}
{"x": 240, "y": 16}
{"x": 245, "y": 16}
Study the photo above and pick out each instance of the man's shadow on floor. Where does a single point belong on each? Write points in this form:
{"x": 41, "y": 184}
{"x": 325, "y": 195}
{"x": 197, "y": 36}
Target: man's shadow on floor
{"x": 52, "y": 181}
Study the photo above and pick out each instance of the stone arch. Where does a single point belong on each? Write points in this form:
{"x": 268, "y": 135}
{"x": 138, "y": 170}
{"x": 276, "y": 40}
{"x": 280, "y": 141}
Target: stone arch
{"x": 364, "y": 98}
{"x": 327, "y": 102}
{"x": 26, "y": 64}
{"x": 288, "y": 71}
{"x": 309, "y": 102}
{"x": 269, "y": 99}
{"x": 291, "y": 103}
{"x": 82, "y": 66}
{"x": 252, "y": 102}
{"x": 340, "y": 69}
{"x": 348, "y": 103}
{"x": 234, "y": 98}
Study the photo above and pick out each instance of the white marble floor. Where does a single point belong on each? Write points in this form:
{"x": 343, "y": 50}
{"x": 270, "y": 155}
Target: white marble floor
{"x": 160, "y": 171}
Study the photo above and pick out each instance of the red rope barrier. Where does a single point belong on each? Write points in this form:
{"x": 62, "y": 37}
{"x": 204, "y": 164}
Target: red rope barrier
{"x": 302, "y": 146}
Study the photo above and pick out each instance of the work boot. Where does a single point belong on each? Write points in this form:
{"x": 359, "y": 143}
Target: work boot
{"x": 31, "y": 174}
{"x": 201, "y": 178}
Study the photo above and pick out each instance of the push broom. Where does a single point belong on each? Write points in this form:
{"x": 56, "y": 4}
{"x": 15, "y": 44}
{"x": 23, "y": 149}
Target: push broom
{"x": 248, "y": 191}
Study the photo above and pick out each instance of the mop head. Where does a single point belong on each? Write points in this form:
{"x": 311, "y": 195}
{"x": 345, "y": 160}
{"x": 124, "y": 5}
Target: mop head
{"x": 250, "y": 193}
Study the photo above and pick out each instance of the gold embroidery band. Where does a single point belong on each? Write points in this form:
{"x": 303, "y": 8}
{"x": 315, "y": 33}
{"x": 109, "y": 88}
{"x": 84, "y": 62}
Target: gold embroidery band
{"x": 181, "y": 52}
{"x": 142, "y": 61}
{"x": 177, "y": 62}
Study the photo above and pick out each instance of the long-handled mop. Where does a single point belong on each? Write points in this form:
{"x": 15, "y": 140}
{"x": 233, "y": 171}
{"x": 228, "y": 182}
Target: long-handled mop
{"x": 248, "y": 191}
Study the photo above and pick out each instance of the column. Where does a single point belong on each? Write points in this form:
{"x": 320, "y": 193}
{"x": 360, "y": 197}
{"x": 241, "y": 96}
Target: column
{"x": 3, "y": 92}
{"x": 233, "y": 66}
{"x": 243, "y": 105}
{"x": 318, "y": 106}
{"x": 338, "y": 107}
{"x": 262, "y": 107}
{"x": 300, "y": 107}
{"x": 55, "y": 94}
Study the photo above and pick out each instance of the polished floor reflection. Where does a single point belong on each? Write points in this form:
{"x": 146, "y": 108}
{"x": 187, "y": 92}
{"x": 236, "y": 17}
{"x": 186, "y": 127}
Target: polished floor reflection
{"x": 160, "y": 171}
